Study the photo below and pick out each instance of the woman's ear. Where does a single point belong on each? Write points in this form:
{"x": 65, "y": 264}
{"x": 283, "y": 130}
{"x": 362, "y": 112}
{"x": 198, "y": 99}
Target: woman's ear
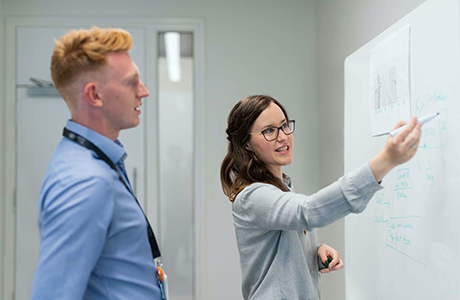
{"x": 248, "y": 147}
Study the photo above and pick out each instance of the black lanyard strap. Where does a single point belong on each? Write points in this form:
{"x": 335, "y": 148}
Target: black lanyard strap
{"x": 88, "y": 145}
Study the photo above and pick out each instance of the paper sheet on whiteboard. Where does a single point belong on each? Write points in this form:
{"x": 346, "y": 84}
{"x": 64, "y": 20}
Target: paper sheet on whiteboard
{"x": 390, "y": 82}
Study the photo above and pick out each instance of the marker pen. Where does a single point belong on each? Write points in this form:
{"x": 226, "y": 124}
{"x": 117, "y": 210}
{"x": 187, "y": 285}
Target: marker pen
{"x": 327, "y": 262}
{"x": 422, "y": 120}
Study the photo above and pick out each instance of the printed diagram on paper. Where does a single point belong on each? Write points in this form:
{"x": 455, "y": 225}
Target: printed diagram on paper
{"x": 390, "y": 82}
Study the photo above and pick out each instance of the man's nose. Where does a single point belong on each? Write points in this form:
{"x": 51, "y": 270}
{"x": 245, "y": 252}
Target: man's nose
{"x": 143, "y": 91}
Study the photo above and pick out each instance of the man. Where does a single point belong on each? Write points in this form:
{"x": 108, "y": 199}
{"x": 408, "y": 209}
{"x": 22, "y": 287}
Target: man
{"x": 94, "y": 241}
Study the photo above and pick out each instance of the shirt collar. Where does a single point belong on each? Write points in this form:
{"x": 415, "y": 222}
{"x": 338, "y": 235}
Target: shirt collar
{"x": 287, "y": 181}
{"x": 114, "y": 151}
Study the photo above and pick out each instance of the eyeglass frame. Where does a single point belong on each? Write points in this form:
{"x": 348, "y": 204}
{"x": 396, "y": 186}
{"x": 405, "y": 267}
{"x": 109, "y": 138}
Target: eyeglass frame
{"x": 278, "y": 133}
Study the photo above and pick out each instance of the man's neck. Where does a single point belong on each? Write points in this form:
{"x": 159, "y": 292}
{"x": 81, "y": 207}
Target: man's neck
{"x": 98, "y": 127}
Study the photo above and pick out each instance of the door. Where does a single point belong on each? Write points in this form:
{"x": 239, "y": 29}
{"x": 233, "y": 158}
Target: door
{"x": 41, "y": 116}
{"x": 164, "y": 165}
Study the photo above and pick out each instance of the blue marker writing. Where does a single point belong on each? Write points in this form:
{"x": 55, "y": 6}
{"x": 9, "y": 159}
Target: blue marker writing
{"x": 423, "y": 120}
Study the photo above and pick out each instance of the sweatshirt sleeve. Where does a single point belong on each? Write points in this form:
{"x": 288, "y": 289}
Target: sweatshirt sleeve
{"x": 262, "y": 205}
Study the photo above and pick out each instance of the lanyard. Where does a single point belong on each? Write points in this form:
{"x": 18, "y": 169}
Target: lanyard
{"x": 88, "y": 145}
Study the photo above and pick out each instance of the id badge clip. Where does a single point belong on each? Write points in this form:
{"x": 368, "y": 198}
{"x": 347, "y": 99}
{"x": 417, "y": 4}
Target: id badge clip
{"x": 162, "y": 280}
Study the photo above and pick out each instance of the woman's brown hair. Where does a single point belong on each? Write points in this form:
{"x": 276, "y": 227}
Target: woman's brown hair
{"x": 241, "y": 167}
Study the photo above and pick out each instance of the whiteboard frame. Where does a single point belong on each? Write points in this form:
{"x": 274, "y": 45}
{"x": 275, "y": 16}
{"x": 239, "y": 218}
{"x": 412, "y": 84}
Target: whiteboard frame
{"x": 354, "y": 64}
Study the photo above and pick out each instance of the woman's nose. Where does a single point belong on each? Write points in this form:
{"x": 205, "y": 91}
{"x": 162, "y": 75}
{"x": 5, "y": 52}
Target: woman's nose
{"x": 281, "y": 135}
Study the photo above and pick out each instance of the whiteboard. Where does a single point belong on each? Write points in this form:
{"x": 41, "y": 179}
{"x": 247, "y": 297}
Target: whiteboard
{"x": 406, "y": 243}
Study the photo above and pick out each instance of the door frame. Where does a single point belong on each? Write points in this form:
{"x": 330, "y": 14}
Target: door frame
{"x": 8, "y": 179}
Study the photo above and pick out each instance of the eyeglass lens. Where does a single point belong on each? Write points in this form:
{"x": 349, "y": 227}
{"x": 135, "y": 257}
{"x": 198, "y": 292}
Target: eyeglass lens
{"x": 271, "y": 134}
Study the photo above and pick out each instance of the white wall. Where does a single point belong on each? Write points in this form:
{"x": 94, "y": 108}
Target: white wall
{"x": 256, "y": 47}
{"x": 252, "y": 47}
{"x": 342, "y": 28}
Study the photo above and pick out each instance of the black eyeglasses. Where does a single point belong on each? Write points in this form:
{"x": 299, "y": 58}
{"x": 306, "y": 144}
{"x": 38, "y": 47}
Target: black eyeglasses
{"x": 271, "y": 133}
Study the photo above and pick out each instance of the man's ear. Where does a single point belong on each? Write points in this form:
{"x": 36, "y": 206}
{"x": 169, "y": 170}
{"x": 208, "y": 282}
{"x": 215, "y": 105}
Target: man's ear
{"x": 92, "y": 94}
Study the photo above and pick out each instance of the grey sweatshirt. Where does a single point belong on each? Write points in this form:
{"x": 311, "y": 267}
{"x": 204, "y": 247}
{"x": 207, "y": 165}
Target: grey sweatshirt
{"x": 278, "y": 260}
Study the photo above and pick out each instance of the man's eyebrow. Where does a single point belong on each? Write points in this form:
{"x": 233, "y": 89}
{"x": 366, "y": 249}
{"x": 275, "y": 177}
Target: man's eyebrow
{"x": 131, "y": 77}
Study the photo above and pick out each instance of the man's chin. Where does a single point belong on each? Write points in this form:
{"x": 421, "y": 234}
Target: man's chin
{"x": 134, "y": 124}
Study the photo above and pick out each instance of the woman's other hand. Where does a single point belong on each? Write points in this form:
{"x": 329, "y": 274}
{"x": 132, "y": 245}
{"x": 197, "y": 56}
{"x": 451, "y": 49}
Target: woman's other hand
{"x": 325, "y": 252}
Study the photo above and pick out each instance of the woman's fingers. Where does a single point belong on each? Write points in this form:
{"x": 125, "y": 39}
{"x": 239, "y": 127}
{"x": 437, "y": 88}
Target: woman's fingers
{"x": 339, "y": 265}
{"x": 414, "y": 137}
{"x": 401, "y": 136}
{"x": 399, "y": 124}
{"x": 403, "y": 146}
{"x": 397, "y": 150}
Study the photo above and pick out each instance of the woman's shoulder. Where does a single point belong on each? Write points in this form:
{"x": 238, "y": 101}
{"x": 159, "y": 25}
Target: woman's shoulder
{"x": 258, "y": 187}
{"x": 257, "y": 191}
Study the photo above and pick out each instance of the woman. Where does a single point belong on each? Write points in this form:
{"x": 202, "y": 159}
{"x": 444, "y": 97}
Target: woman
{"x": 275, "y": 227}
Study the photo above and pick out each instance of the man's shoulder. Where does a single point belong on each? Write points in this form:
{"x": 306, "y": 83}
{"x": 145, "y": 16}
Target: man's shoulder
{"x": 75, "y": 173}
{"x": 71, "y": 161}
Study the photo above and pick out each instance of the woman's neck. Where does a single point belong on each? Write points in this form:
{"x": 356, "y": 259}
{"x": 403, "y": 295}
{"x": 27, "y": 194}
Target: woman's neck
{"x": 278, "y": 172}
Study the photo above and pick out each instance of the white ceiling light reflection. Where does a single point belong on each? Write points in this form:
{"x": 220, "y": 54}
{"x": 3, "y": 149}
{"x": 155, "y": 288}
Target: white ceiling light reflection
{"x": 172, "y": 47}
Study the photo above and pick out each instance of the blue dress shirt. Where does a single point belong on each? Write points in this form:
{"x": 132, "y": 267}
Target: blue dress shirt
{"x": 94, "y": 242}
